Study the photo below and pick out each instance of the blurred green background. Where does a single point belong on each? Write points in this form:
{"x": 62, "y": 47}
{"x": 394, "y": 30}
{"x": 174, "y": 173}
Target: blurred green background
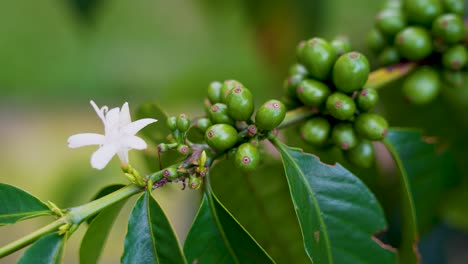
{"x": 56, "y": 55}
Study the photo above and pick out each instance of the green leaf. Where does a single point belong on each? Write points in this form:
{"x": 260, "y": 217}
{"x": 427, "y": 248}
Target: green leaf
{"x": 150, "y": 237}
{"x": 95, "y": 237}
{"x": 262, "y": 194}
{"x": 425, "y": 174}
{"x": 103, "y": 192}
{"x": 216, "y": 237}
{"x": 17, "y": 205}
{"x": 158, "y": 132}
{"x": 47, "y": 250}
{"x": 337, "y": 213}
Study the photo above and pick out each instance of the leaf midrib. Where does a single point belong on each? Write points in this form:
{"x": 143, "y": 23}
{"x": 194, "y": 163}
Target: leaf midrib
{"x": 150, "y": 226}
{"x": 322, "y": 222}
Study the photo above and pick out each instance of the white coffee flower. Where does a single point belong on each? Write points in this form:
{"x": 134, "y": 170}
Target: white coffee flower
{"x": 119, "y": 136}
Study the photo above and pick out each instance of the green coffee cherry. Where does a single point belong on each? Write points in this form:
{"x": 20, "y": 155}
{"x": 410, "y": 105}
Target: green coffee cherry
{"x": 343, "y": 136}
{"x": 454, "y": 6}
{"x": 318, "y": 56}
{"x": 203, "y": 123}
{"x": 270, "y": 115}
{"x": 367, "y": 99}
{"x": 172, "y": 123}
{"x": 170, "y": 173}
{"x": 341, "y": 44}
{"x": 312, "y": 93}
{"x": 341, "y": 106}
{"x": 240, "y": 104}
{"x": 390, "y": 22}
{"x": 388, "y": 56}
{"x": 453, "y": 78}
{"x": 350, "y": 72}
{"x": 195, "y": 182}
{"x": 414, "y": 43}
{"x": 392, "y": 4}
{"x": 449, "y": 28}
{"x": 183, "y": 149}
{"x": 455, "y": 57}
{"x": 316, "y": 131}
{"x": 291, "y": 84}
{"x": 371, "y": 126}
{"x": 422, "y": 12}
{"x": 422, "y": 85}
{"x": 247, "y": 157}
{"x": 226, "y": 88}
{"x": 162, "y": 147}
{"x": 221, "y": 136}
{"x": 214, "y": 92}
{"x": 298, "y": 69}
{"x": 376, "y": 40}
{"x": 183, "y": 122}
{"x": 219, "y": 114}
{"x": 362, "y": 155}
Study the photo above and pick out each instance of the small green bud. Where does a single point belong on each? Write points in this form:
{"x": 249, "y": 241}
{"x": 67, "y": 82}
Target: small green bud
{"x": 350, "y": 72}
{"x": 252, "y": 130}
{"x": 371, "y": 126}
{"x": 183, "y": 122}
{"x": 367, "y": 99}
{"x": 362, "y": 155}
{"x": 343, "y": 136}
{"x": 170, "y": 173}
{"x": 214, "y": 92}
{"x": 163, "y": 147}
{"x": 341, "y": 106}
{"x": 219, "y": 114}
{"x": 312, "y": 92}
{"x": 172, "y": 123}
{"x": 270, "y": 115}
{"x": 221, "y": 136}
{"x": 247, "y": 157}
{"x": 316, "y": 131}
{"x": 195, "y": 182}
{"x": 183, "y": 149}
{"x": 240, "y": 104}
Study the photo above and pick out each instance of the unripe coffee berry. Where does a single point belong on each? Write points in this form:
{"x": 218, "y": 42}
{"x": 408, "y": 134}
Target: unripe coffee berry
{"x": 316, "y": 131}
{"x": 341, "y": 106}
{"x": 221, "y": 136}
{"x": 453, "y": 78}
{"x": 226, "y": 88}
{"x": 390, "y": 22}
{"x": 422, "y": 12}
{"x": 318, "y": 56}
{"x": 388, "y": 56}
{"x": 298, "y": 68}
{"x": 219, "y": 114}
{"x": 371, "y": 126}
{"x": 414, "y": 43}
{"x": 162, "y": 147}
{"x": 214, "y": 92}
{"x": 270, "y": 115}
{"x": 195, "y": 182}
{"x": 449, "y": 28}
{"x": 170, "y": 173}
{"x": 422, "y": 86}
{"x": 343, "y": 136}
{"x": 203, "y": 123}
{"x": 455, "y": 57}
{"x": 172, "y": 123}
{"x": 367, "y": 99}
{"x": 183, "y": 122}
{"x": 362, "y": 155}
{"x": 376, "y": 41}
{"x": 291, "y": 84}
{"x": 247, "y": 157}
{"x": 312, "y": 93}
{"x": 454, "y": 6}
{"x": 350, "y": 72}
{"x": 183, "y": 149}
{"x": 341, "y": 44}
{"x": 240, "y": 104}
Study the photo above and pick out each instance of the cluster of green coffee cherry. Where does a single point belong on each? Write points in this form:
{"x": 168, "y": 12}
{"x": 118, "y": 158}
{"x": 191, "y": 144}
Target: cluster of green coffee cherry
{"x": 329, "y": 78}
{"x": 430, "y": 32}
{"x": 229, "y": 127}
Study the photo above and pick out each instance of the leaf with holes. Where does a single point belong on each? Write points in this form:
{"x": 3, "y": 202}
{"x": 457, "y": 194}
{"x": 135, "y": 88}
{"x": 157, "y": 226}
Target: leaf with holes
{"x": 17, "y": 205}
{"x": 216, "y": 237}
{"x": 150, "y": 237}
{"x": 425, "y": 173}
{"x": 337, "y": 213}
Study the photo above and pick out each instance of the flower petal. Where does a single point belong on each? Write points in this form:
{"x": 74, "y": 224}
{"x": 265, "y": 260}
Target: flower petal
{"x": 102, "y": 156}
{"x": 112, "y": 120}
{"x": 125, "y": 118}
{"x": 85, "y": 139}
{"x": 134, "y": 127}
{"x": 133, "y": 142}
{"x": 99, "y": 112}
